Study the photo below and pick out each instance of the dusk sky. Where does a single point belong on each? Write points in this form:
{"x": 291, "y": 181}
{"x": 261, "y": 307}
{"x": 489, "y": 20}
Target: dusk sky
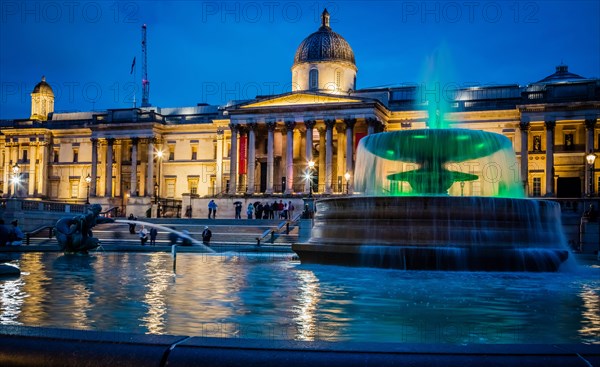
{"x": 218, "y": 51}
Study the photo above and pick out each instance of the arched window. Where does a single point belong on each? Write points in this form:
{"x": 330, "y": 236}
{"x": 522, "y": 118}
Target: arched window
{"x": 313, "y": 79}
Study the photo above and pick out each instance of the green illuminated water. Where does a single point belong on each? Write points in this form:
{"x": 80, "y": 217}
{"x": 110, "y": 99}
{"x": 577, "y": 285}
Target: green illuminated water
{"x": 455, "y": 162}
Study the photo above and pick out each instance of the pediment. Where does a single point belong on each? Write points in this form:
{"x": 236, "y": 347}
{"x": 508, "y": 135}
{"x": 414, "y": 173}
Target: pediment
{"x": 292, "y": 99}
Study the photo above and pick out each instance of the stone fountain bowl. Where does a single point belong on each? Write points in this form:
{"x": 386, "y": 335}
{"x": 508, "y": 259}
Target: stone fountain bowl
{"x": 437, "y": 232}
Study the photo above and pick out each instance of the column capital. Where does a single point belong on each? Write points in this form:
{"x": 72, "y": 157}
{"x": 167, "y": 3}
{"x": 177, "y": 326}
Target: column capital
{"x": 110, "y": 141}
{"x": 590, "y": 124}
{"x": 251, "y": 126}
{"x": 271, "y": 125}
{"x": 372, "y": 121}
{"x": 310, "y": 124}
{"x": 290, "y": 125}
{"x": 329, "y": 124}
{"x": 220, "y": 131}
{"x": 94, "y": 140}
{"x": 524, "y": 125}
{"x": 350, "y": 122}
{"x": 550, "y": 125}
{"x": 135, "y": 140}
{"x": 234, "y": 127}
{"x": 243, "y": 130}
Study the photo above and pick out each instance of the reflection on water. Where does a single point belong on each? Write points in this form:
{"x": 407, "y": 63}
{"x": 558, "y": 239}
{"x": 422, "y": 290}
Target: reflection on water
{"x": 273, "y": 297}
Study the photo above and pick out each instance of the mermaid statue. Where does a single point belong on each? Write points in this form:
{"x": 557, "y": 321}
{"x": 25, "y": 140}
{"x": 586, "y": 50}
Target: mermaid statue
{"x": 74, "y": 234}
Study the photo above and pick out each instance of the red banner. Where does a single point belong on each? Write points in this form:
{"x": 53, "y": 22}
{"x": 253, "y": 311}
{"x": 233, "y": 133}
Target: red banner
{"x": 357, "y": 137}
{"x": 243, "y": 155}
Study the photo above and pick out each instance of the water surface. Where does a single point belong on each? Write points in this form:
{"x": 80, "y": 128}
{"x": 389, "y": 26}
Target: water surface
{"x": 275, "y": 297}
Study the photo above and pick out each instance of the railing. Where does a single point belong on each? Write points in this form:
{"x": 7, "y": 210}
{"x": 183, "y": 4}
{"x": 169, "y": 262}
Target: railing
{"x": 28, "y": 235}
{"x": 111, "y": 212}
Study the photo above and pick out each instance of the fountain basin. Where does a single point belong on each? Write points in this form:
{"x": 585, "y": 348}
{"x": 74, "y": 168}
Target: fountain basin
{"x": 437, "y": 232}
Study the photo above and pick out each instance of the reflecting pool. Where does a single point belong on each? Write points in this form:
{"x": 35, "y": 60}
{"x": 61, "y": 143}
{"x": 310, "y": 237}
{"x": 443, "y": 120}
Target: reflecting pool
{"x": 276, "y": 297}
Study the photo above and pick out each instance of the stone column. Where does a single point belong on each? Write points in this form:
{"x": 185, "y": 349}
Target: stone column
{"x": 251, "y": 171}
{"x": 32, "y": 165}
{"x": 219, "y": 173}
{"x": 6, "y": 178}
{"x": 524, "y": 127}
{"x": 233, "y": 160}
{"x": 134, "y": 151}
{"x": 43, "y": 182}
{"x": 109, "y": 166}
{"x": 309, "y": 124}
{"x": 270, "y": 156}
{"x": 289, "y": 168}
{"x": 590, "y": 125}
{"x": 149, "y": 189}
{"x": 94, "y": 173}
{"x": 329, "y": 124}
{"x": 550, "y": 125}
{"x": 372, "y": 125}
{"x": 340, "y": 152}
{"x": 349, "y": 150}
{"x": 322, "y": 153}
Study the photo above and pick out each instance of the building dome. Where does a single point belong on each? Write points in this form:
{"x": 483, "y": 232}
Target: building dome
{"x": 562, "y": 75}
{"x": 324, "y": 45}
{"x": 43, "y": 87}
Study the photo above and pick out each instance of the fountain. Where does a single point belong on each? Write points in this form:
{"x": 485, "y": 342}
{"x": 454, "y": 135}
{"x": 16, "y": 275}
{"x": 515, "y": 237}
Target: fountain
{"x": 442, "y": 199}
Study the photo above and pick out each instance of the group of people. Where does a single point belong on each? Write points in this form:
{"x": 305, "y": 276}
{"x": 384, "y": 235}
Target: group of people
{"x": 145, "y": 235}
{"x": 276, "y": 210}
{"x": 174, "y": 238}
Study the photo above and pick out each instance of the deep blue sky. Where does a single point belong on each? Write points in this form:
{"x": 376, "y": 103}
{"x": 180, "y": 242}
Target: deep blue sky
{"x": 216, "y": 51}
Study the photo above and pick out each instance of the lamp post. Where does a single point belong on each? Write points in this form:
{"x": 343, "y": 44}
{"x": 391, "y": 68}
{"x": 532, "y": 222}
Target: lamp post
{"x": 88, "y": 180}
{"x": 347, "y": 177}
{"x": 311, "y": 166}
{"x": 462, "y": 188}
{"x": 15, "y": 179}
{"x": 590, "y": 159}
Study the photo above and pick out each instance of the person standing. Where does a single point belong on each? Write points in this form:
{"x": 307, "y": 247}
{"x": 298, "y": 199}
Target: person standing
{"x": 290, "y": 210}
{"x": 250, "y": 210}
{"x": 212, "y": 209}
{"x": 131, "y": 225}
{"x": 206, "y": 235}
{"x": 153, "y": 234}
{"x": 238, "y": 210}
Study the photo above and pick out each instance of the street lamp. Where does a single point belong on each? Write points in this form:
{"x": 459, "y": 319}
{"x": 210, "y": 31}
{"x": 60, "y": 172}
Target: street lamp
{"x": 88, "y": 180}
{"x": 590, "y": 159}
{"x": 15, "y": 179}
{"x": 347, "y": 177}
{"x": 311, "y": 166}
{"x": 462, "y": 188}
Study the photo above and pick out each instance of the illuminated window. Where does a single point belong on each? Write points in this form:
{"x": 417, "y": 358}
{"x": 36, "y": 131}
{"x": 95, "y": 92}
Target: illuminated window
{"x": 228, "y": 150}
{"x": 75, "y": 155}
{"x": 193, "y": 185}
{"x": 171, "y": 188}
{"x": 171, "y": 153}
{"x": 537, "y": 186}
{"x": 194, "y": 153}
{"x": 55, "y": 156}
{"x": 74, "y": 189}
{"x": 569, "y": 143}
{"x": 25, "y": 155}
{"x": 313, "y": 79}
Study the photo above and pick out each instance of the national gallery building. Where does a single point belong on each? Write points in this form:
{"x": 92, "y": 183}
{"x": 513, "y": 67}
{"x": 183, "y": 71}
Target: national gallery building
{"x": 135, "y": 156}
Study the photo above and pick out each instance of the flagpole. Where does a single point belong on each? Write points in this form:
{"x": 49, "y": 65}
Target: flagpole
{"x": 132, "y": 72}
